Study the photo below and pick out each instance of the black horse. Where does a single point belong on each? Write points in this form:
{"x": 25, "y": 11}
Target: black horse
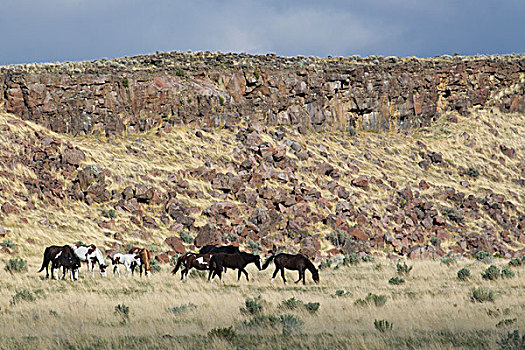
{"x": 297, "y": 262}
{"x": 228, "y": 249}
{"x": 233, "y": 261}
{"x": 192, "y": 260}
{"x": 63, "y": 257}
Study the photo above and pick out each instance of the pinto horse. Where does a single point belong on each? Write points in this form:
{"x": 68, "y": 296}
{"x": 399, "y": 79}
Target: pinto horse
{"x": 192, "y": 260}
{"x": 145, "y": 257}
{"x": 297, "y": 262}
{"x": 91, "y": 255}
{"x": 60, "y": 257}
{"x": 233, "y": 261}
{"x": 128, "y": 260}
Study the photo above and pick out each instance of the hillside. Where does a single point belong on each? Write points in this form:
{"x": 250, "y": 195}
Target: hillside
{"x": 456, "y": 186}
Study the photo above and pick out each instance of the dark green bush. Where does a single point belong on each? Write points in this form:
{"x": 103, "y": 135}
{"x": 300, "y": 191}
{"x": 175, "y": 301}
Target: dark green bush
{"x": 338, "y": 238}
{"x": 178, "y": 309}
{"x": 449, "y": 261}
{"x": 403, "y": 269}
{"x": 492, "y": 273}
{"x": 325, "y": 264}
{"x": 23, "y": 295}
{"x": 312, "y": 307}
{"x": 484, "y": 256}
{"x": 8, "y": 244}
{"x": 15, "y": 265}
{"x": 506, "y": 272}
{"x": 341, "y": 293}
{"x": 377, "y": 300}
{"x": 396, "y": 280}
{"x": 515, "y": 262}
{"x": 292, "y": 303}
{"x": 382, "y": 325}
{"x": 351, "y": 259}
{"x": 186, "y": 238}
{"x": 226, "y": 333}
{"x": 290, "y": 323}
{"x": 123, "y": 311}
{"x": 252, "y": 306}
{"x": 180, "y": 72}
{"x": 506, "y": 322}
{"x": 512, "y": 341}
{"x": 108, "y": 213}
{"x": 155, "y": 266}
{"x": 482, "y": 294}
{"x": 453, "y": 215}
{"x": 464, "y": 274}
{"x": 472, "y": 172}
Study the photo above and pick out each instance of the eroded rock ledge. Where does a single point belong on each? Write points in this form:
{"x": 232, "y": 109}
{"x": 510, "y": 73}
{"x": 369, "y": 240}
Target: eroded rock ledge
{"x": 373, "y": 93}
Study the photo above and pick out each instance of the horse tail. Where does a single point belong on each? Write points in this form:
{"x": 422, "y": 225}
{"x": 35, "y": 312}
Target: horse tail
{"x": 179, "y": 262}
{"x": 267, "y": 262}
{"x": 45, "y": 262}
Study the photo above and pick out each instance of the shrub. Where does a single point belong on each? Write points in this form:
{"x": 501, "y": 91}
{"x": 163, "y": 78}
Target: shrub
{"x": 434, "y": 241}
{"x": 125, "y": 83}
{"x": 262, "y": 321}
{"x": 16, "y": 265}
{"x": 338, "y": 238}
{"x": 506, "y": 272}
{"x": 482, "y": 294}
{"x": 185, "y": 237}
{"x": 292, "y": 303}
{"x": 472, "y": 172}
{"x": 492, "y": 273}
{"x": 221, "y": 100}
{"x": 449, "y": 261}
{"x": 403, "y": 269}
{"x": 252, "y": 306}
{"x": 378, "y": 300}
{"x": 515, "y": 262}
{"x": 483, "y": 256}
{"x": 453, "y": 215}
{"x": 155, "y": 266}
{"x": 23, "y": 295}
{"x": 180, "y": 72}
{"x": 182, "y": 308}
{"x": 325, "y": 264}
{"x": 396, "y": 280}
{"x": 290, "y": 324}
{"x": 8, "y": 244}
{"x": 382, "y": 325}
{"x": 256, "y": 75}
{"x": 254, "y": 246}
{"x": 341, "y": 293}
{"x": 109, "y": 213}
{"x": 506, "y": 322}
{"x": 512, "y": 341}
{"x": 464, "y": 274}
{"x": 312, "y": 307}
{"x": 367, "y": 258}
{"x": 226, "y": 333}
{"x": 123, "y": 311}
{"x": 351, "y": 259}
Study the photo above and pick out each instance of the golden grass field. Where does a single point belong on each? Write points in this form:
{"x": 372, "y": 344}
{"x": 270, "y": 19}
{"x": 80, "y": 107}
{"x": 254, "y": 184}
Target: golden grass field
{"x": 432, "y": 310}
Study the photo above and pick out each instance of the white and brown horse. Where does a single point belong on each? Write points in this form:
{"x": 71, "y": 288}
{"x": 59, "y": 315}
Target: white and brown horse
{"x": 91, "y": 255}
{"x": 192, "y": 260}
{"x": 130, "y": 261}
{"x": 145, "y": 257}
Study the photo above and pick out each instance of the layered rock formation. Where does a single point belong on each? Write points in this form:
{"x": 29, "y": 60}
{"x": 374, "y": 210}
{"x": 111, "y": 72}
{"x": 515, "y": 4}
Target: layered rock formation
{"x": 375, "y": 93}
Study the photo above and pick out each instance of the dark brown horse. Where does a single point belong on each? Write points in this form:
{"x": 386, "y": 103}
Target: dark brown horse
{"x": 60, "y": 257}
{"x": 192, "y": 260}
{"x": 233, "y": 261}
{"x": 297, "y": 262}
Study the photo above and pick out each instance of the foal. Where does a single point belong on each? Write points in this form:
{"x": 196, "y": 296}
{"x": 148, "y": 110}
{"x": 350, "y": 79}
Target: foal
{"x": 233, "y": 261}
{"x": 297, "y": 262}
{"x": 91, "y": 255}
{"x": 128, "y": 260}
{"x": 192, "y": 260}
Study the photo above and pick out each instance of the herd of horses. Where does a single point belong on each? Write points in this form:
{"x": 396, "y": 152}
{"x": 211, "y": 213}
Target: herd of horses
{"x": 214, "y": 259}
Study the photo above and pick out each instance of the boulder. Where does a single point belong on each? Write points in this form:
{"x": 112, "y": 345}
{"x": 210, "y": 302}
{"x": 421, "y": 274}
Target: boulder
{"x": 175, "y": 244}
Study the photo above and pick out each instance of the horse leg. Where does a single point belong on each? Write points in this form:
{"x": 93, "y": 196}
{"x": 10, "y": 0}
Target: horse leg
{"x": 300, "y": 276}
{"x": 282, "y": 275}
{"x": 239, "y": 275}
{"x": 274, "y": 274}
{"x": 246, "y": 273}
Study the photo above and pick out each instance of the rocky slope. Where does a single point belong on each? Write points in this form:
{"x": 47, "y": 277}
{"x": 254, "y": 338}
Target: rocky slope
{"x": 454, "y": 186}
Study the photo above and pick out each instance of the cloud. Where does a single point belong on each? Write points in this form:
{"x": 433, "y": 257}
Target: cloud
{"x": 51, "y": 30}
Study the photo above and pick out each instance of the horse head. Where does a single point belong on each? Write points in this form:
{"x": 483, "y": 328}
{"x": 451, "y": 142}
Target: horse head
{"x": 315, "y": 275}
{"x": 257, "y": 262}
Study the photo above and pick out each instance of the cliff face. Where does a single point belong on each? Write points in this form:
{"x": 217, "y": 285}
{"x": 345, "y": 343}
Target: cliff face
{"x": 138, "y": 93}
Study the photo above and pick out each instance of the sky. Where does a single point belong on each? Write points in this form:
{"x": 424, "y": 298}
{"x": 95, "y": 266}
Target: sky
{"x": 75, "y": 30}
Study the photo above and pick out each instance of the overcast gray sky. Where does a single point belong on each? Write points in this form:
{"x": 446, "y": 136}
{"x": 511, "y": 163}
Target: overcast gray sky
{"x": 60, "y": 30}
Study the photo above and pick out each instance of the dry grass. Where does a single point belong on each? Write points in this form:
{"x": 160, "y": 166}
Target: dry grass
{"x": 431, "y": 311}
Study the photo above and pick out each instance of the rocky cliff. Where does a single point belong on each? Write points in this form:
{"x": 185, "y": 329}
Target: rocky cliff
{"x": 208, "y": 89}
